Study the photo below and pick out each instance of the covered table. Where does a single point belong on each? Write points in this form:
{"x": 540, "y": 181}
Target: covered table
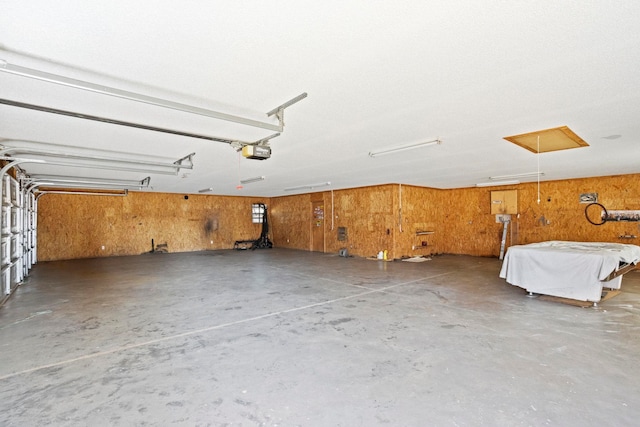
{"x": 575, "y": 270}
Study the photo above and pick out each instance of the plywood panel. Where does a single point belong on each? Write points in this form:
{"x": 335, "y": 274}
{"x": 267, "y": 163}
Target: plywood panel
{"x": 290, "y": 221}
{"x": 468, "y": 226}
{"x": 418, "y": 210}
{"x": 376, "y": 218}
{"x": 366, "y": 213}
{"x": 560, "y": 215}
{"x": 504, "y": 202}
{"x": 72, "y": 226}
{"x": 461, "y": 218}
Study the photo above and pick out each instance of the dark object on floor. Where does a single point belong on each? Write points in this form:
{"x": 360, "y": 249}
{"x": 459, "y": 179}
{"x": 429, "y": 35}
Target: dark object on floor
{"x": 161, "y": 248}
{"x": 261, "y": 242}
{"x": 241, "y": 245}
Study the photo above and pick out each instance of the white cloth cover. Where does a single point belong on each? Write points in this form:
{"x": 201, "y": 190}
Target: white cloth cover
{"x": 567, "y": 269}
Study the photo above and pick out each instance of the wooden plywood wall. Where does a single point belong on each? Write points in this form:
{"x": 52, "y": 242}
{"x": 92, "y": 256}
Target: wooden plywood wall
{"x": 389, "y": 216}
{"x": 561, "y": 216}
{"x": 367, "y": 213}
{"x": 80, "y": 226}
{"x": 470, "y": 228}
{"x": 418, "y": 213}
{"x": 460, "y": 220}
{"x": 468, "y": 225}
{"x": 376, "y": 218}
{"x": 291, "y": 221}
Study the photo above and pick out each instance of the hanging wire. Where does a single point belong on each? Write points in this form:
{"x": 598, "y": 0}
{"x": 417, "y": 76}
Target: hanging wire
{"x": 332, "y": 210}
{"x": 538, "y": 156}
{"x": 400, "y": 207}
{"x": 239, "y": 186}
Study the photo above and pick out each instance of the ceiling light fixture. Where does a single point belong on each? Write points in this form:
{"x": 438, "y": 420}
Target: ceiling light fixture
{"x": 390, "y": 150}
{"x": 250, "y": 180}
{"x": 308, "y": 186}
{"x": 206, "y": 190}
{"x": 493, "y": 183}
{"x": 517, "y": 176}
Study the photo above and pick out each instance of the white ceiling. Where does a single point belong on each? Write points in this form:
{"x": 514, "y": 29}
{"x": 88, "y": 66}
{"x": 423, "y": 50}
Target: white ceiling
{"x": 377, "y": 74}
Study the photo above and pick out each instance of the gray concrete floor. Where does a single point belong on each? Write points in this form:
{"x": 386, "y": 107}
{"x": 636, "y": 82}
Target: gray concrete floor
{"x": 291, "y": 338}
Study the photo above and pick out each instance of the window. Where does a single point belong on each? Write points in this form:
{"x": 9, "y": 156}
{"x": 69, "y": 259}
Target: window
{"x": 257, "y": 213}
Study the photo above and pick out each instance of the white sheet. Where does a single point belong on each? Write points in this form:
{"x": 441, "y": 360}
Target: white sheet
{"x": 567, "y": 269}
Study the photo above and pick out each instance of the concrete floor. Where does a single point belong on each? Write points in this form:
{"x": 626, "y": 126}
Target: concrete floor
{"x": 291, "y": 338}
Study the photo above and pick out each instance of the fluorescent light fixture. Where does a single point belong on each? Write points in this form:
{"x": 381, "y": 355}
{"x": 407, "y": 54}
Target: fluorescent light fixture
{"x": 389, "y": 150}
{"x": 493, "y": 183}
{"x": 250, "y": 180}
{"x": 205, "y": 190}
{"x": 308, "y": 186}
{"x": 517, "y": 176}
